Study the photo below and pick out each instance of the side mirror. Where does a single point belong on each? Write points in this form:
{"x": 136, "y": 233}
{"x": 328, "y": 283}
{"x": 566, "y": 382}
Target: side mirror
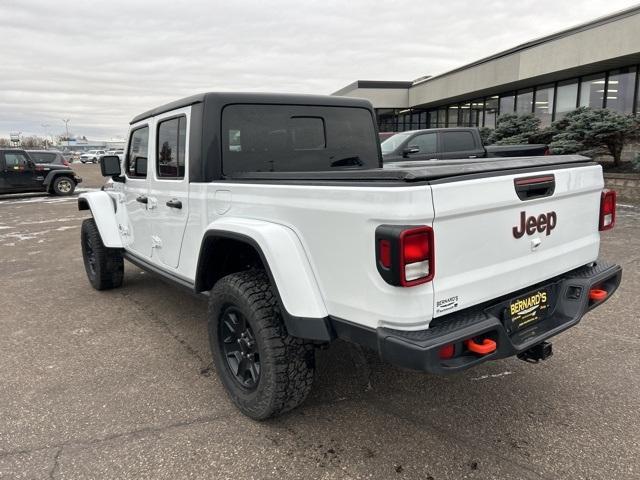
{"x": 409, "y": 150}
{"x": 110, "y": 166}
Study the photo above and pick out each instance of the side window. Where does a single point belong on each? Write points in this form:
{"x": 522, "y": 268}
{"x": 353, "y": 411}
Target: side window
{"x": 15, "y": 161}
{"x": 136, "y": 165}
{"x": 427, "y": 143}
{"x": 457, "y": 141}
{"x": 171, "y": 148}
{"x": 43, "y": 157}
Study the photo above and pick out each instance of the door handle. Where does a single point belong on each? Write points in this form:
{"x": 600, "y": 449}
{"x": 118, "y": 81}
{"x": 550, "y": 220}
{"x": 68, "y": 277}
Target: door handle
{"x": 142, "y": 199}
{"x": 174, "y": 203}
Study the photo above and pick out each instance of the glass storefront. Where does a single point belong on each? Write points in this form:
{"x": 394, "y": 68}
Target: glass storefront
{"x": 543, "y": 105}
{"x": 592, "y": 91}
{"x": 621, "y": 88}
{"x": 524, "y": 101}
{"x": 491, "y": 112}
{"x": 507, "y": 103}
{"x": 566, "y": 98}
{"x": 617, "y": 90}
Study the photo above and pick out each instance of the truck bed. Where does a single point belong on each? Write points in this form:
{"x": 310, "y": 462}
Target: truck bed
{"x": 412, "y": 172}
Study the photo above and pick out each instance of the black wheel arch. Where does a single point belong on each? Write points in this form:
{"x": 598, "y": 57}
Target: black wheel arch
{"x": 53, "y": 174}
{"x": 223, "y": 253}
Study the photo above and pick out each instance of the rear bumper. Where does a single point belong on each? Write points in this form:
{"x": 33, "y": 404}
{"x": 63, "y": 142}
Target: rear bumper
{"x": 420, "y": 350}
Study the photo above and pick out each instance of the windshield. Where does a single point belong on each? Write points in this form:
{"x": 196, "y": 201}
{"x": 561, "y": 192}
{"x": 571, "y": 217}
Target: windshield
{"x": 391, "y": 143}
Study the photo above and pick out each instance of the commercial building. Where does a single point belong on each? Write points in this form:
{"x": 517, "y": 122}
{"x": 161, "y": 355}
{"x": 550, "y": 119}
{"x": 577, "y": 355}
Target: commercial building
{"x": 595, "y": 64}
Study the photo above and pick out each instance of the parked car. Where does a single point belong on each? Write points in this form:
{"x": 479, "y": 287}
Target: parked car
{"x": 384, "y": 135}
{"x": 93, "y": 156}
{"x": 119, "y": 152}
{"x": 68, "y": 155}
{"x": 280, "y": 211}
{"x": 43, "y": 157}
{"x": 450, "y": 143}
{"x": 19, "y": 173}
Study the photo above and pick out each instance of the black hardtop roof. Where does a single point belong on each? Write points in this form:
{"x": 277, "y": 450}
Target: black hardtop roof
{"x": 265, "y": 98}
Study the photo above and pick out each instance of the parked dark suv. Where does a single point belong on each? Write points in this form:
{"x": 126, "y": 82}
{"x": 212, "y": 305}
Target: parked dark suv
{"x": 48, "y": 157}
{"x": 19, "y": 173}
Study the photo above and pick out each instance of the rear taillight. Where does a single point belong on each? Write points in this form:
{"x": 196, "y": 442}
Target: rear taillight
{"x": 607, "y": 210}
{"x": 405, "y": 254}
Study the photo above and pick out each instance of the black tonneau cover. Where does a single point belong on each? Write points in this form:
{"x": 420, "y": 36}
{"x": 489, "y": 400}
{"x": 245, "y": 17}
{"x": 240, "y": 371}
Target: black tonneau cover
{"x": 424, "y": 171}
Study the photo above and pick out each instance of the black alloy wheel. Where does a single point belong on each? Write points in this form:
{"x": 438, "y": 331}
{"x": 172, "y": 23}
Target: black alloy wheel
{"x": 240, "y": 348}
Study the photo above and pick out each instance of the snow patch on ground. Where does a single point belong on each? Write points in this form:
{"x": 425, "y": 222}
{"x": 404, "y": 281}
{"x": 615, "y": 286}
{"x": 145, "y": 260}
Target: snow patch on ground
{"x": 495, "y": 375}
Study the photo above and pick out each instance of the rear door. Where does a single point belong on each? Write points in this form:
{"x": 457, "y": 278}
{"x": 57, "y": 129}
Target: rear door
{"x": 136, "y": 234}
{"x": 490, "y": 242}
{"x": 455, "y": 143}
{"x": 19, "y": 172}
{"x": 169, "y": 186}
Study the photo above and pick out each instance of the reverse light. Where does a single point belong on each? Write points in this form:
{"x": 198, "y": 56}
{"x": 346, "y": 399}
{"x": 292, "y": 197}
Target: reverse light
{"x": 607, "y": 210}
{"x": 405, "y": 254}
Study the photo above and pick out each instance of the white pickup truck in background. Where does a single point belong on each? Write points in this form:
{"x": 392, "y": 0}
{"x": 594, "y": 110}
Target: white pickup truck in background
{"x": 278, "y": 208}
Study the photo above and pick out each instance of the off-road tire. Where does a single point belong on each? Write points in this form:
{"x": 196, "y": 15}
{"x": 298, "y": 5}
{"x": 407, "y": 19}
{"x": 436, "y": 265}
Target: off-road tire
{"x": 104, "y": 266}
{"x": 63, "y": 185}
{"x": 287, "y": 364}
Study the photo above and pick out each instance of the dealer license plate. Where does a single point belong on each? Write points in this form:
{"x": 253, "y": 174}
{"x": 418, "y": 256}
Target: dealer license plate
{"x": 529, "y": 309}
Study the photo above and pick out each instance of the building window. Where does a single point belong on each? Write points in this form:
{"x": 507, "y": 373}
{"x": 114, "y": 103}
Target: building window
{"x": 592, "y": 91}
{"x": 465, "y": 114}
{"x": 621, "y": 89}
{"x": 524, "y": 102}
{"x": 491, "y": 112}
{"x": 543, "y": 107}
{"x": 442, "y": 118}
{"x": 566, "y": 98}
{"x": 452, "y": 116}
{"x": 507, "y": 104}
{"x": 477, "y": 106}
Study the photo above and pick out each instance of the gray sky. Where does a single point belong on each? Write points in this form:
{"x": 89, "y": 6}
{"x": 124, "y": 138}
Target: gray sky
{"x": 101, "y": 63}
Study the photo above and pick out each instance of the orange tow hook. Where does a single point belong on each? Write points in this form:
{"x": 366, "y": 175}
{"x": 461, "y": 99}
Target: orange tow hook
{"x": 597, "y": 294}
{"x": 486, "y": 347}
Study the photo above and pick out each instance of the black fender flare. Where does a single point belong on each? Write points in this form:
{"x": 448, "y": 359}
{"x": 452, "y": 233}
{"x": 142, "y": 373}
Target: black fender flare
{"x": 56, "y": 173}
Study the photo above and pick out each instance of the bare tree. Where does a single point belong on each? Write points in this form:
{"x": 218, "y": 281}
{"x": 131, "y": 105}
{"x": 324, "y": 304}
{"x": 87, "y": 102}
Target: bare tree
{"x": 32, "y": 141}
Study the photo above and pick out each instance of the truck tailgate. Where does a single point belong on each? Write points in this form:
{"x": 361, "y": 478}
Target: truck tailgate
{"x": 482, "y": 249}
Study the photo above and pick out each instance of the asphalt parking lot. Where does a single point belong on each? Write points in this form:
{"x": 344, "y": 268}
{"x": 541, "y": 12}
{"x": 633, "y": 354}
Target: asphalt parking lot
{"x": 119, "y": 384}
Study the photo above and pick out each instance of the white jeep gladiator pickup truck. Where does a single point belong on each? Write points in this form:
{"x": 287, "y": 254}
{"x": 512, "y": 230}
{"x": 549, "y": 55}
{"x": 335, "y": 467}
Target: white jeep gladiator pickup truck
{"x": 277, "y": 207}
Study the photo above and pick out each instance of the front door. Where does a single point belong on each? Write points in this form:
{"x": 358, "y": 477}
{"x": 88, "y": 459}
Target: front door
{"x": 136, "y": 234}
{"x": 169, "y": 186}
{"x": 19, "y": 172}
{"x": 426, "y": 145}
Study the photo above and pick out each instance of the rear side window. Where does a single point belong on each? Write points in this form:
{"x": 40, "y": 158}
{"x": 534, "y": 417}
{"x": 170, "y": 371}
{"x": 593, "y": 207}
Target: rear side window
{"x": 171, "y": 148}
{"x": 15, "y": 161}
{"x": 457, "y": 141}
{"x": 43, "y": 157}
{"x": 136, "y": 164}
{"x": 290, "y": 138}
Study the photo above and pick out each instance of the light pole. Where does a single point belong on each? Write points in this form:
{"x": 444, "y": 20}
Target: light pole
{"x": 46, "y": 135}
{"x": 66, "y": 124}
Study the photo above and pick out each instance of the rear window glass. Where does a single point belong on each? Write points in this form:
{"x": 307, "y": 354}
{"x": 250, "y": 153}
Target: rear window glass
{"x": 457, "y": 141}
{"x": 42, "y": 157}
{"x": 290, "y": 138}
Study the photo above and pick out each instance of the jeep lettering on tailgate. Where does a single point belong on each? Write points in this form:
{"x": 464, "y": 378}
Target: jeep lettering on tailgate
{"x": 543, "y": 222}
